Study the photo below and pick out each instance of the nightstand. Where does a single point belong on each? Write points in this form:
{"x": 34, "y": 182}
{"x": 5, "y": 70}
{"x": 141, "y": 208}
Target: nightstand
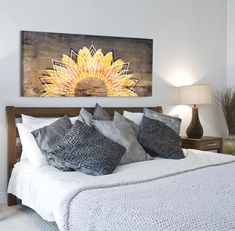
{"x": 206, "y": 143}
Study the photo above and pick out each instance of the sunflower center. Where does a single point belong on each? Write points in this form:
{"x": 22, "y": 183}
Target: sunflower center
{"x": 91, "y": 87}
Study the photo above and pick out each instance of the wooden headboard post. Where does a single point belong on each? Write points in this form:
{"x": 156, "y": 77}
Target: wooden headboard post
{"x": 14, "y": 152}
{"x": 11, "y": 147}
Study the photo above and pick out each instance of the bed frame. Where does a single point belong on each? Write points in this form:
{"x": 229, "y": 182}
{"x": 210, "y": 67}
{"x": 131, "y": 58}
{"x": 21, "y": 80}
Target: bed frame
{"x": 14, "y": 151}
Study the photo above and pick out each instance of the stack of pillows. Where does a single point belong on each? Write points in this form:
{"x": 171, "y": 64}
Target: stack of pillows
{"x": 97, "y": 143}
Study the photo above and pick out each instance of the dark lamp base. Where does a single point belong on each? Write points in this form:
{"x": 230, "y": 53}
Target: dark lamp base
{"x": 195, "y": 129}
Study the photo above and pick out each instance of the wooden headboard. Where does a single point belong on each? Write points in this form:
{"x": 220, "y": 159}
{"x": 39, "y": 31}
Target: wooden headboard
{"x": 14, "y": 152}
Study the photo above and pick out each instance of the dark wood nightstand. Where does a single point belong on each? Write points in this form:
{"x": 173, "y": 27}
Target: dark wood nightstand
{"x": 206, "y": 143}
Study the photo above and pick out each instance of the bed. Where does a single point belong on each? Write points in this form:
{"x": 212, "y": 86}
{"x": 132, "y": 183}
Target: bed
{"x": 194, "y": 193}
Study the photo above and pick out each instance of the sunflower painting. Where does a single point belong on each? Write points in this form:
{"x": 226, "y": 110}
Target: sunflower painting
{"x": 68, "y": 65}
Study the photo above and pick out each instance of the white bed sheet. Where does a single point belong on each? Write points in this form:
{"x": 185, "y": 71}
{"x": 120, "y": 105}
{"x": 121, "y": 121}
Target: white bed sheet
{"x": 45, "y": 189}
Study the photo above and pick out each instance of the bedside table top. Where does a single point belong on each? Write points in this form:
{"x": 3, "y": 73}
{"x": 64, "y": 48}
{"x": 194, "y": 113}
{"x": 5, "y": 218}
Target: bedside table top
{"x": 204, "y": 138}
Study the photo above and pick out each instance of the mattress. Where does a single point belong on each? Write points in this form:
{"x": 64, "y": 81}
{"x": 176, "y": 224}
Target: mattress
{"x": 49, "y": 191}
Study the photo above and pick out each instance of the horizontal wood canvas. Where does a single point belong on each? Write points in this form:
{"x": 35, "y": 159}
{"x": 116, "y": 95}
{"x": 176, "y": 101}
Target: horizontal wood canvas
{"x": 73, "y": 65}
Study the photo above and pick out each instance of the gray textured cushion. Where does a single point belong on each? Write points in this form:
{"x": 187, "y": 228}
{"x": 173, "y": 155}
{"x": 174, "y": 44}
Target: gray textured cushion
{"x": 159, "y": 140}
{"x": 124, "y": 134}
{"x": 86, "y": 116}
{"x": 49, "y": 136}
{"x": 85, "y": 149}
{"x": 100, "y": 114}
{"x": 120, "y": 118}
{"x": 172, "y": 122}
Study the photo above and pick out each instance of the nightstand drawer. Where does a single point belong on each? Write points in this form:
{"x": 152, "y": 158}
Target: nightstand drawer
{"x": 206, "y": 143}
{"x": 188, "y": 145}
{"x": 215, "y": 144}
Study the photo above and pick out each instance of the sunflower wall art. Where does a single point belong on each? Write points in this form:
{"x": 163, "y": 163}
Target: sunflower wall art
{"x": 70, "y": 65}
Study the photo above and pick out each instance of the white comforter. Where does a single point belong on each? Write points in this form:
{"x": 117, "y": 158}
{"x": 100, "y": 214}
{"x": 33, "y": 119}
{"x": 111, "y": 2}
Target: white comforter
{"x": 47, "y": 190}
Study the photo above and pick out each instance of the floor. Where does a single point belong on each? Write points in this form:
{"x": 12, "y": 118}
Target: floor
{"x": 21, "y": 218}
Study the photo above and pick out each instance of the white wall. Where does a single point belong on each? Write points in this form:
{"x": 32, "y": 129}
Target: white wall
{"x": 189, "y": 47}
{"x": 231, "y": 43}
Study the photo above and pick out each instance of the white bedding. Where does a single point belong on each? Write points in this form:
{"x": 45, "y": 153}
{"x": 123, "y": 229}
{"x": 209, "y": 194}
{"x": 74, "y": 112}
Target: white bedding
{"x": 46, "y": 189}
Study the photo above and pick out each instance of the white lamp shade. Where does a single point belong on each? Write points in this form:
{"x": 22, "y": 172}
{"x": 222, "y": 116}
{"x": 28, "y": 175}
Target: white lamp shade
{"x": 195, "y": 94}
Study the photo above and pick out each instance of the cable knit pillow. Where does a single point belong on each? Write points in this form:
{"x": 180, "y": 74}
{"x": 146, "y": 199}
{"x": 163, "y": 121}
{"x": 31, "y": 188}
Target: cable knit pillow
{"x": 159, "y": 140}
{"x": 86, "y": 150}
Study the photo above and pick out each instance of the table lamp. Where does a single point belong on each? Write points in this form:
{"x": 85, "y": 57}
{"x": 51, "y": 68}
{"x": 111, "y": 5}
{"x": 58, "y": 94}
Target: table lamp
{"x": 194, "y": 95}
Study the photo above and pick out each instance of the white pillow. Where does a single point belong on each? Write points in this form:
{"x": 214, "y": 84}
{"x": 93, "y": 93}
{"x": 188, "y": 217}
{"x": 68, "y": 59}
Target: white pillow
{"x": 39, "y": 122}
{"x": 30, "y": 148}
{"x": 136, "y": 117}
{"x": 23, "y": 155}
{"x": 73, "y": 119}
{"x": 18, "y": 144}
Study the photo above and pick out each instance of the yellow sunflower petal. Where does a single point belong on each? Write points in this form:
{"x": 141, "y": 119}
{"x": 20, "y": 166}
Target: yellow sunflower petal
{"x": 117, "y": 66}
{"x": 128, "y": 83}
{"x": 84, "y": 56}
{"x": 107, "y": 60}
{"x": 98, "y": 56}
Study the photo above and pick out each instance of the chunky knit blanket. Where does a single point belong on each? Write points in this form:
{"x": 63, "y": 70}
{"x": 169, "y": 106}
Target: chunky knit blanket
{"x": 193, "y": 193}
{"x": 196, "y": 199}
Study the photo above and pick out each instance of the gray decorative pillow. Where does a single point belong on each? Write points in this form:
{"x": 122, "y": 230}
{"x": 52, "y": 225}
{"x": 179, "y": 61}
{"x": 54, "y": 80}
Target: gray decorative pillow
{"x": 172, "y": 122}
{"x": 100, "y": 114}
{"x": 49, "y": 136}
{"x": 124, "y": 134}
{"x": 120, "y": 118}
{"x": 159, "y": 140}
{"x": 86, "y": 117}
{"x": 86, "y": 150}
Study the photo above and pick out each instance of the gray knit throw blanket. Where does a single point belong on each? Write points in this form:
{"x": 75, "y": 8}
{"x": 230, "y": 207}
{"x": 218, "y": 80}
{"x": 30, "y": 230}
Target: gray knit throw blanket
{"x": 201, "y": 199}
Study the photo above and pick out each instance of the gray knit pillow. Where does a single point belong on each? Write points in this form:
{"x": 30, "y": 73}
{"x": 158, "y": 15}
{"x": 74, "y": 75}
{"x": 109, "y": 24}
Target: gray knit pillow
{"x": 86, "y": 150}
{"x": 159, "y": 140}
{"x": 125, "y": 134}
